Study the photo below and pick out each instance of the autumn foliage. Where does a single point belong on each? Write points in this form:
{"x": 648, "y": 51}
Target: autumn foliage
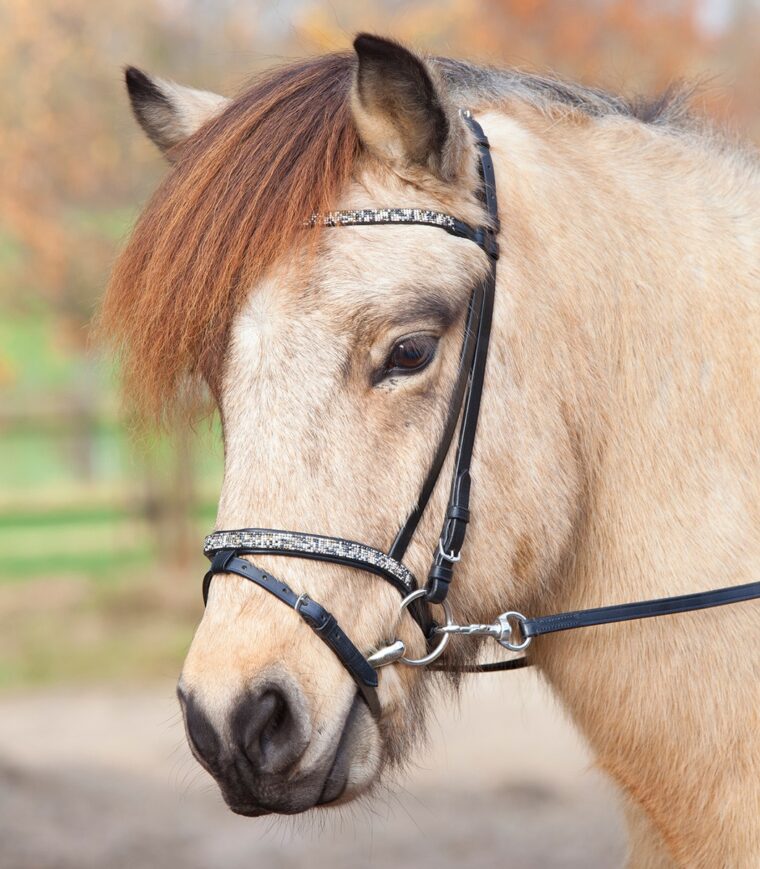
{"x": 76, "y": 169}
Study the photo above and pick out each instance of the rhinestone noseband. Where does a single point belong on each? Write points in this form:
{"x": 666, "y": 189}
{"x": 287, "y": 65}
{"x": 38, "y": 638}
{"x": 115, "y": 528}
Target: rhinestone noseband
{"x": 225, "y": 547}
{"x": 257, "y": 541}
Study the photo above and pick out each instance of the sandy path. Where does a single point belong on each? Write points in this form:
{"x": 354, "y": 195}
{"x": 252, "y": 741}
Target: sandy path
{"x": 104, "y": 779}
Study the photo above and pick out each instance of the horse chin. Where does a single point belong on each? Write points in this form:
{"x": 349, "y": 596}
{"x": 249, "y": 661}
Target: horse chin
{"x": 355, "y": 765}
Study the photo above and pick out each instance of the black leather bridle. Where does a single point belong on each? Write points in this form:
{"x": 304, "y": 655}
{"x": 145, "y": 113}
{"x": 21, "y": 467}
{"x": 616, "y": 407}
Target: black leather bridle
{"x": 224, "y": 548}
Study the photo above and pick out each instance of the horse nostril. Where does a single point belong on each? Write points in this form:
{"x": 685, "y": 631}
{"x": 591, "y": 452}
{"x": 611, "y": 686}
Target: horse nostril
{"x": 271, "y": 726}
{"x": 201, "y": 734}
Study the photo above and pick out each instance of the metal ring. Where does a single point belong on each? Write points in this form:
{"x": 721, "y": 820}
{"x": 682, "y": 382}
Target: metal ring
{"x": 438, "y": 650}
{"x": 507, "y": 631}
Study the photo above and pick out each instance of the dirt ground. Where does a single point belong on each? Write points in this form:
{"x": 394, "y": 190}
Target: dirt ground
{"x": 102, "y": 778}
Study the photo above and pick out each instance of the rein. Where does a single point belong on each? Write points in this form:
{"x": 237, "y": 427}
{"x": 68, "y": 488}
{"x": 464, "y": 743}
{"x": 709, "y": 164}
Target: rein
{"x": 511, "y": 629}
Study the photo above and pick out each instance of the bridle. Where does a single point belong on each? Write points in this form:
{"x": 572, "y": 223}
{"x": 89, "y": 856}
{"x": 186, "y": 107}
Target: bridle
{"x": 511, "y": 629}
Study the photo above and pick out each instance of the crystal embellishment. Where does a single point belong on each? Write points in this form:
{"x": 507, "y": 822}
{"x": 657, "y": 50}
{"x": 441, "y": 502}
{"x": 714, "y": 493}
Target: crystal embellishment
{"x": 264, "y": 540}
{"x": 369, "y": 216}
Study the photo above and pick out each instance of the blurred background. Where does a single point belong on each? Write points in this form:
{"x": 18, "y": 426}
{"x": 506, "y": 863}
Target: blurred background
{"x": 92, "y": 628}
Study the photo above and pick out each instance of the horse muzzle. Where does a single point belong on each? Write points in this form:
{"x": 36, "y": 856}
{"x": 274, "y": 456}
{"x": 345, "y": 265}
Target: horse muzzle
{"x": 268, "y": 755}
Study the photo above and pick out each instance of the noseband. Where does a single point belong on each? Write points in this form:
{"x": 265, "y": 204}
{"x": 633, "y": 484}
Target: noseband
{"x": 511, "y": 629}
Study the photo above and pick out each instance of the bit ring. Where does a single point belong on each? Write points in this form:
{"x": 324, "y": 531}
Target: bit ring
{"x": 438, "y": 650}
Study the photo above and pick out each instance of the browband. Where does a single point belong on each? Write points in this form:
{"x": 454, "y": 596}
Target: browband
{"x": 409, "y": 216}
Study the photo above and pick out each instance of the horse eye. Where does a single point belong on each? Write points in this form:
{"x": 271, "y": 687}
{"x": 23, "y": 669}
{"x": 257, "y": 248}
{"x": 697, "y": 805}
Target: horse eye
{"x": 411, "y": 354}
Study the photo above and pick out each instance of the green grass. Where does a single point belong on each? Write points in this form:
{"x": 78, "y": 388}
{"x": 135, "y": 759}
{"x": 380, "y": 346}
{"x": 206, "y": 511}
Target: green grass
{"x": 20, "y": 569}
{"x": 137, "y": 626}
{"x": 83, "y": 595}
{"x": 74, "y": 493}
{"x": 64, "y": 516}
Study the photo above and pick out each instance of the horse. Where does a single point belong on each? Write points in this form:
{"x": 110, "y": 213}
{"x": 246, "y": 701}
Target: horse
{"x": 617, "y": 453}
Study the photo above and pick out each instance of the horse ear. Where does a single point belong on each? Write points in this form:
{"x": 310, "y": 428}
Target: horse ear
{"x": 168, "y": 112}
{"x": 402, "y": 112}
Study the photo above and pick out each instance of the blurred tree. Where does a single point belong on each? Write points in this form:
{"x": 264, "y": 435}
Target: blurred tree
{"x": 70, "y": 153}
{"x": 630, "y": 46}
{"x": 74, "y": 168}
{"x": 73, "y": 161}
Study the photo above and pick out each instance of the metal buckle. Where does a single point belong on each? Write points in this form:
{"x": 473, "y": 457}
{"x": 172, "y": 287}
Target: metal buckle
{"x": 451, "y": 557}
{"x": 438, "y": 650}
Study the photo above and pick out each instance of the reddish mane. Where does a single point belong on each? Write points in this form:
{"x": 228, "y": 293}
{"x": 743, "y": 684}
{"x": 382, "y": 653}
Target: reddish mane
{"x": 229, "y": 208}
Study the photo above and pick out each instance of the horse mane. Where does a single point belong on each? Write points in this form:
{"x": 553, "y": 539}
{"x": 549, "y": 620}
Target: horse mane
{"x": 237, "y": 196}
{"x": 550, "y": 93}
{"x": 229, "y": 208}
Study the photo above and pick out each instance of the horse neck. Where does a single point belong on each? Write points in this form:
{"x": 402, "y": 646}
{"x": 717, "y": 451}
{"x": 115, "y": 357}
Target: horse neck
{"x": 628, "y": 292}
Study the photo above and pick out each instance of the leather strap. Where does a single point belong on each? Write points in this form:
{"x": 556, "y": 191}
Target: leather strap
{"x": 645, "y": 609}
{"x": 457, "y": 516}
{"x": 494, "y": 667}
{"x": 467, "y": 390}
{"x": 322, "y": 622}
{"x": 472, "y": 323}
{"x": 606, "y": 615}
{"x": 317, "y": 547}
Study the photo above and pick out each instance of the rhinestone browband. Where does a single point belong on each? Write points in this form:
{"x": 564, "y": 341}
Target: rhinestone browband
{"x": 369, "y": 216}
{"x": 261, "y": 541}
{"x": 483, "y": 236}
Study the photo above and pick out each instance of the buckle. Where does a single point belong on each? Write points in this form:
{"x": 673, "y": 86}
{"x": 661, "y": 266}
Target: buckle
{"x": 452, "y": 557}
